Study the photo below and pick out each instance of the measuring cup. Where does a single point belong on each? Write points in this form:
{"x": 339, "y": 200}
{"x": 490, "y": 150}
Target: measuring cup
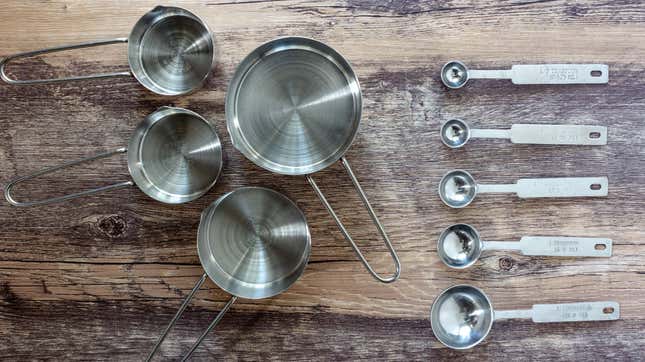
{"x": 455, "y": 74}
{"x": 462, "y": 315}
{"x": 455, "y": 133}
{"x": 293, "y": 107}
{"x": 170, "y": 52}
{"x": 254, "y": 243}
{"x": 458, "y": 188}
{"x": 459, "y": 246}
{"x": 174, "y": 156}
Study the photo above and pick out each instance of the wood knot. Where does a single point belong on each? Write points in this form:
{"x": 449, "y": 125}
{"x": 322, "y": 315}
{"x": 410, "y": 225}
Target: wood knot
{"x": 113, "y": 226}
{"x": 7, "y": 294}
{"x": 506, "y": 263}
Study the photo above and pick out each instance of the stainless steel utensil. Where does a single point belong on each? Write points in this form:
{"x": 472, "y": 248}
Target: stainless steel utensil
{"x": 455, "y": 74}
{"x": 462, "y": 315}
{"x": 170, "y": 52}
{"x": 174, "y": 156}
{"x": 252, "y": 242}
{"x": 459, "y": 246}
{"x": 293, "y": 107}
{"x": 458, "y": 188}
{"x": 455, "y": 133}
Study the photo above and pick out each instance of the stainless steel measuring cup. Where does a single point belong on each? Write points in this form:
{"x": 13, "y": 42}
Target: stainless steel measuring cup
{"x": 174, "y": 156}
{"x": 455, "y": 133}
{"x": 459, "y": 246}
{"x": 455, "y": 74}
{"x": 170, "y": 52}
{"x": 253, "y": 243}
{"x": 462, "y": 315}
{"x": 293, "y": 107}
{"x": 458, "y": 188}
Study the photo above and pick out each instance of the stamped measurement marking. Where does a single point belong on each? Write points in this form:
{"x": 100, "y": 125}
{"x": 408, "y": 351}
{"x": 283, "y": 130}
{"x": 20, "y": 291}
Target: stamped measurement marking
{"x": 560, "y": 74}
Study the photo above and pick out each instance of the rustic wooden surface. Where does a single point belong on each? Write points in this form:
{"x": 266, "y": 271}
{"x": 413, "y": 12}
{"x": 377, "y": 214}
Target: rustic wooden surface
{"x": 97, "y": 278}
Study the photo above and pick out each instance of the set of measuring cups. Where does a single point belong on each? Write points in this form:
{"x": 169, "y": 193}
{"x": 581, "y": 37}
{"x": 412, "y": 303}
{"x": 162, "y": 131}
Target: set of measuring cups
{"x": 462, "y": 315}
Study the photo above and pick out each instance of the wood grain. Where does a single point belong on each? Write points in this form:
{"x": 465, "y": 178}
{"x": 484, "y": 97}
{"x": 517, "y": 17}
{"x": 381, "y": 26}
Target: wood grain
{"x": 97, "y": 278}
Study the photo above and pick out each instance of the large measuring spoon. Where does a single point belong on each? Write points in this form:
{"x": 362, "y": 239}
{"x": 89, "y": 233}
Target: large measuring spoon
{"x": 455, "y": 133}
{"x": 458, "y": 188}
{"x": 460, "y": 246}
{"x": 455, "y": 74}
{"x": 462, "y": 315}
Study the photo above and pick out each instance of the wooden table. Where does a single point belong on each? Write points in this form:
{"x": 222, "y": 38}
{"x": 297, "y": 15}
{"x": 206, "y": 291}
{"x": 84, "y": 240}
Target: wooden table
{"x": 98, "y": 277}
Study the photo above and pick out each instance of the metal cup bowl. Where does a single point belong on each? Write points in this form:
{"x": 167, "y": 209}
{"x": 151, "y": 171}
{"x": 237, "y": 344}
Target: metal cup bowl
{"x": 294, "y": 106}
{"x": 175, "y": 155}
{"x": 170, "y": 51}
{"x": 253, "y": 242}
{"x": 457, "y": 188}
{"x": 459, "y": 246}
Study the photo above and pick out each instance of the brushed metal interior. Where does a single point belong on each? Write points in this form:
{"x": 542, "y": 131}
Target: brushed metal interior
{"x": 293, "y": 106}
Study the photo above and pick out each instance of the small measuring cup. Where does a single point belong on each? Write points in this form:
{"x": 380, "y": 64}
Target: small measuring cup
{"x": 458, "y": 188}
{"x": 462, "y": 316}
{"x": 170, "y": 52}
{"x": 459, "y": 246}
{"x": 455, "y": 74}
{"x": 455, "y": 133}
{"x": 174, "y": 156}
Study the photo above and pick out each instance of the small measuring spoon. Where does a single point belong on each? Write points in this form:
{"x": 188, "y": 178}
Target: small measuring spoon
{"x": 455, "y": 133}
{"x": 455, "y": 74}
{"x": 462, "y": 315}
{"x": 458, "y": 188}
{"x": 459, "y": 246}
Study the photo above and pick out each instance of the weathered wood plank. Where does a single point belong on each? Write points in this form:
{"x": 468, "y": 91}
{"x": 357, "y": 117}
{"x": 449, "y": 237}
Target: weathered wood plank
{"x": 97, "y": 278}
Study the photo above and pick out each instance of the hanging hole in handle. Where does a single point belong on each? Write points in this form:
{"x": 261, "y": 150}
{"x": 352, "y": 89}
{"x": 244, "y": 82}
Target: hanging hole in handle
{"x": 608, "y": 310}
{"x": 594, "y": 135}
{"x": 595, "y": 187}
{"x": 596, "y": 73}
{"x": 600, "y": 247}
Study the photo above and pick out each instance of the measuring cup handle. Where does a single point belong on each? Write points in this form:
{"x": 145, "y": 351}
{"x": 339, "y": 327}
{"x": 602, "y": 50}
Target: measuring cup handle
{"x": 9, "y": 80}
{"x": 212, "y": 325}
{"x": 174, "y": 319}
{"x": 10, "y": 198}
{"x": 375, "y": 219}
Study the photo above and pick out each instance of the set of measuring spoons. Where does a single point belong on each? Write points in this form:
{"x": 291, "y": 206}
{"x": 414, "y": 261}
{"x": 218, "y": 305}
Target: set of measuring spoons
{"x": 463, "y": 315}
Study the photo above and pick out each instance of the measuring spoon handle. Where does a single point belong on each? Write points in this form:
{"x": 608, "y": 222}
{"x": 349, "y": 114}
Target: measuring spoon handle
{"x": 542, "y": 134}
{"x": 562, "y": 187}
{"x": 560, "y": 74}
{"x": 564, "y": 312}
{"x": 565, "y": 246}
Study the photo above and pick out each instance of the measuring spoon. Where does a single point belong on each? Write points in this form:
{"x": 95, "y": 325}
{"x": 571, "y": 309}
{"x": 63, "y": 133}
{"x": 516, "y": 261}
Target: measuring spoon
{"x": 458, "y": 188}
{"x": 462, "y": 315}
{"x": 459, "y": 246}
{"x": 455, "y": 74}
{"x": 455, "y": 133}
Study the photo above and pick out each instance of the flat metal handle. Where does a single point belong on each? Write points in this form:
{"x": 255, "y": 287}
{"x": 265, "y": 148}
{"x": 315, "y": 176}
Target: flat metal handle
{"x": 375, "y": 219}
{"x": 565, "y": 312}
{"x": 9, "y": 58}
{"x": 547, "y": 74}
{"x": 180, "y": 311}
{"x": 560, "y": 74}
{"x": 544, "y": 134}
{"x": 555, "y": 246}
{"x": 562, "y": 187}
{"x": 10, "y": 198}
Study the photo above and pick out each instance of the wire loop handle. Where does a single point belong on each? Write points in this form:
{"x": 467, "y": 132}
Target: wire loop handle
{"x": 11, "y": 199}
{"x": 5, "y": 77}
{"x": 375, "y": 219}
{"x": 180, "y": 311}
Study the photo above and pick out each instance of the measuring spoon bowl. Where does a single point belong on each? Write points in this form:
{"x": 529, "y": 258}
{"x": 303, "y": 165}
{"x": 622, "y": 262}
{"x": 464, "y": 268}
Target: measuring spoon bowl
{"x": 457, "y": 188}
{"x": 455, "y": 133}
{"x": 454, "y": 74}
{"x": 461, "y": 316}
{"x": 459, "y": 246}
